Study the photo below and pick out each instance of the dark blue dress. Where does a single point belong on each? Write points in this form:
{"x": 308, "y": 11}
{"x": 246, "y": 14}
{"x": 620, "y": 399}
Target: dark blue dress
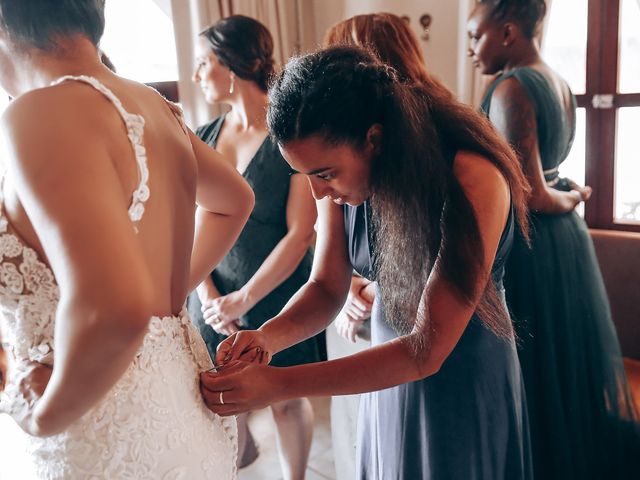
{"x": 579, "y": 405}
{"x": 468, "y": 421}
{"x": 268, "y": 174}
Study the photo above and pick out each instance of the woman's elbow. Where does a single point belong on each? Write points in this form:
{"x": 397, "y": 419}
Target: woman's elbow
{"x": 132, "y": 316}
{"x": 300, "y": 240}
{"x": 540, "y": 201}
{"x": 246, "y": 201}
{"x": 123, "y": 316}
{"x": 428, "y": 368}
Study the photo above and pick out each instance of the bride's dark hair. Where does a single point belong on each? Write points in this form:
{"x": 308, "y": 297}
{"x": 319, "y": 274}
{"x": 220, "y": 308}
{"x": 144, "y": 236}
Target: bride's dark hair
{"x": 39, "y": 23}
{"x": 337, "y": 94}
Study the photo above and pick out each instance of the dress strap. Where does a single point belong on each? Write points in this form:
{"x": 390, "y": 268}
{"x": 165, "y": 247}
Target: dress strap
{"x": 135, "y": 132}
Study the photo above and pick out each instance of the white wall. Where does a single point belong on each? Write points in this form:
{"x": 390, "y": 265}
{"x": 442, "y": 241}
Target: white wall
{"x": 445, "y": 46}
{"x": 327, "y": 13}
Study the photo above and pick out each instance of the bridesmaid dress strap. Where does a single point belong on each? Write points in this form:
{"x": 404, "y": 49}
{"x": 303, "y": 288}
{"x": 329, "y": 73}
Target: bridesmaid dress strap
{"x": 135, "y": 132}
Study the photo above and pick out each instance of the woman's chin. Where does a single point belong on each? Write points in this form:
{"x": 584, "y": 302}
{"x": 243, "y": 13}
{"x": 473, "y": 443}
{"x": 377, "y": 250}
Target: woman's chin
{"x": 354, "y": 201}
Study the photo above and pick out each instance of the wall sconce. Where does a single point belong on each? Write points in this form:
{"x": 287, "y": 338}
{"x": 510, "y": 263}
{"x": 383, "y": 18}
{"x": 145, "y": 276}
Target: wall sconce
{"x": 425, "y": 22}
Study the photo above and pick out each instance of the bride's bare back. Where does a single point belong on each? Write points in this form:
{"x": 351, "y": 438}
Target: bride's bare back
{"x": 81, "y": 115}
{"x": 76, "y": 194}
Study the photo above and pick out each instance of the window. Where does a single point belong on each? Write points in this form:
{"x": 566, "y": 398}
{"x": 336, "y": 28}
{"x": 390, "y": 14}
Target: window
{"x": 4, "y": 100}
{"x": 139, "y": 40}
{"x": 598, "y": 52}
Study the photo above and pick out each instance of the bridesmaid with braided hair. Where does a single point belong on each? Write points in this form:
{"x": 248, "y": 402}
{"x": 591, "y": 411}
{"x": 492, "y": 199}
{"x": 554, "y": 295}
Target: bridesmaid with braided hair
{"x": 581, "y": 414}
{"x": 416, "y": 191}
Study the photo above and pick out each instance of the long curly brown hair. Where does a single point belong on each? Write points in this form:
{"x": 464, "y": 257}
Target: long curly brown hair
{"x": 338, "y": 93}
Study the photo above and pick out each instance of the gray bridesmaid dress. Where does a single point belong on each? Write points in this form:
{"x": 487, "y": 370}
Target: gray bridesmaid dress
{"x": 468, "y": 421}
{"x": 268, "y": 174}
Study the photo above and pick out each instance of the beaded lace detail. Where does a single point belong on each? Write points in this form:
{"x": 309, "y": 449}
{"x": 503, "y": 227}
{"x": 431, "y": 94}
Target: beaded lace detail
{"x": 153, "y": 423}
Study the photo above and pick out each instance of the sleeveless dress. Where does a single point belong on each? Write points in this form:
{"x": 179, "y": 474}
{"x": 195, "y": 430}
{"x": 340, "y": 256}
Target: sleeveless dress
{"x": 153, "y": 423}
{"x": 578, "y": 400}
{"x": 468, "y": 421}
{"x": 268, "y": 174}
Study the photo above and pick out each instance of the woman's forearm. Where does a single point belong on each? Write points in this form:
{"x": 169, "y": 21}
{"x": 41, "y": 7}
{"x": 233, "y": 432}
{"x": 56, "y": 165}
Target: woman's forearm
{"x": 207, "y": 289}
{"x": 554, "y": 201}
{"x": 308, "y": 312}
{"x": 214, "y": 236}
{"x": 92, "y": 352}
{"x": 384, "y": 366}
{"x": 278, "y": 266}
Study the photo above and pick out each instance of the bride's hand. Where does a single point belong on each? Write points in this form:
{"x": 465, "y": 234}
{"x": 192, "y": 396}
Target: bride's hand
{"x": 241, "y": 387}
{"x": 249, "y": 346}
{"x": 28, "y": 382}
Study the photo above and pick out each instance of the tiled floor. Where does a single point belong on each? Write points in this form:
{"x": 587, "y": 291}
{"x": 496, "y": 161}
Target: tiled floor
{"x": 267, "y": 467}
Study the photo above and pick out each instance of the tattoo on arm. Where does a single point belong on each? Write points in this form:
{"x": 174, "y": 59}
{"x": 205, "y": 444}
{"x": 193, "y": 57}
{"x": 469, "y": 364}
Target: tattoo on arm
{"x": 515, "y": 117}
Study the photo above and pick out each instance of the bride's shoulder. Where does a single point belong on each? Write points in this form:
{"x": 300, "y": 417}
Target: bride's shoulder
{"x": 53, "y": 129}
{"x": 54, "y": 107}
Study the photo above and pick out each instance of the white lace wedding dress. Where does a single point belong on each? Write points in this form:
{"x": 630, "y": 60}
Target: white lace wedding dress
{"x": 153, "y": 423}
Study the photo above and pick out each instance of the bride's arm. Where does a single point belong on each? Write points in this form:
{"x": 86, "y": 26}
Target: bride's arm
{"x": 225, "y": 201}
{"x": 66, "y": 182}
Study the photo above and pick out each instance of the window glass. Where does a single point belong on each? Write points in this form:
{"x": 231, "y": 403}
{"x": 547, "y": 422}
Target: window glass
{"x": 4, "y": 100}
{"x": 139, "y": 40}
{"x": 564, "y": 43}
{"x": 629, "y": 75}
{"x": 627, "y": 173}
{"x": 574, "y": 165}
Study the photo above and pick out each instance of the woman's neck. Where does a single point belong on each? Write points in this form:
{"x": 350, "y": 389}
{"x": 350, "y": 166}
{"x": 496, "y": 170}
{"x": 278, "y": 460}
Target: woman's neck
{"x": 526, "y": 54}
{"x": 38, "y": 68}
{"x": 249, "y": 108}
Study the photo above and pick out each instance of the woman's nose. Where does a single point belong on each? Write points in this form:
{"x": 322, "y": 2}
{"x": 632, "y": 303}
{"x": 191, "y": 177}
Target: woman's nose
{"x": 196, "y": 75}
{"x": 470, "y": 52}
{"x": 319, "y": 189}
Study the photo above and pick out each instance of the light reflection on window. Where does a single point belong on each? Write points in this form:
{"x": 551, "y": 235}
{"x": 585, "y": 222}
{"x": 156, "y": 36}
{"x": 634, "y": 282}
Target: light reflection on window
{"x": 564, "y": 43}
{"x": 4, "y": 100}
{"x": 629, "y": 78}
{"x": 627, "y": 173}
{"x": 139, "y": 40}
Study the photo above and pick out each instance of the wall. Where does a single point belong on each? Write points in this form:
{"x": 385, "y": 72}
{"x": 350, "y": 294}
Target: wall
{"x": 447, "y": 43}
{"x": 326, "y": 13}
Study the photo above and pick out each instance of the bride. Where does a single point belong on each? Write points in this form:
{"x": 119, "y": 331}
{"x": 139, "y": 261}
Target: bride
{"x": 96, "y": 238}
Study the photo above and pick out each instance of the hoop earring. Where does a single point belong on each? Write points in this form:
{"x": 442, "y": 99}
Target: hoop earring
{"x": 232, "y": 82}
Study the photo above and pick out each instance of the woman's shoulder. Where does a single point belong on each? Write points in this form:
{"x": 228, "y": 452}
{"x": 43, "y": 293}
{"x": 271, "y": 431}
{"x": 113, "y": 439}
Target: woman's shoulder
{"x": 61, "y": 111}
{"x": 530, "y": 81}
{"x": 476, "y": 173}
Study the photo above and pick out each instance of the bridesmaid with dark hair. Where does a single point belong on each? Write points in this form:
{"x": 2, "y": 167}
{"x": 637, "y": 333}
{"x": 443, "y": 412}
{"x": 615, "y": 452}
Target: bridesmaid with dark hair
{"x": 418, "y": 192}
{"x": 580, "y": 410}
{"x": 271, "y": 259}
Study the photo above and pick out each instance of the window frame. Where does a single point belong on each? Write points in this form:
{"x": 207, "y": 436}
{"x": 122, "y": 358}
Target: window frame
{"x": 168, "y": 89}
{"x": 601, "y": 123}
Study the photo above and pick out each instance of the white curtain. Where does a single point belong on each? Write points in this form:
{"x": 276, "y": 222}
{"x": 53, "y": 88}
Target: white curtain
{"x": 290, "y": 23}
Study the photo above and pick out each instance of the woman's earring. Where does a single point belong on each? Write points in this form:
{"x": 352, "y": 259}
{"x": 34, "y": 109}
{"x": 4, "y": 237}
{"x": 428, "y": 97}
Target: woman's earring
{"x": 232, "y": 82}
